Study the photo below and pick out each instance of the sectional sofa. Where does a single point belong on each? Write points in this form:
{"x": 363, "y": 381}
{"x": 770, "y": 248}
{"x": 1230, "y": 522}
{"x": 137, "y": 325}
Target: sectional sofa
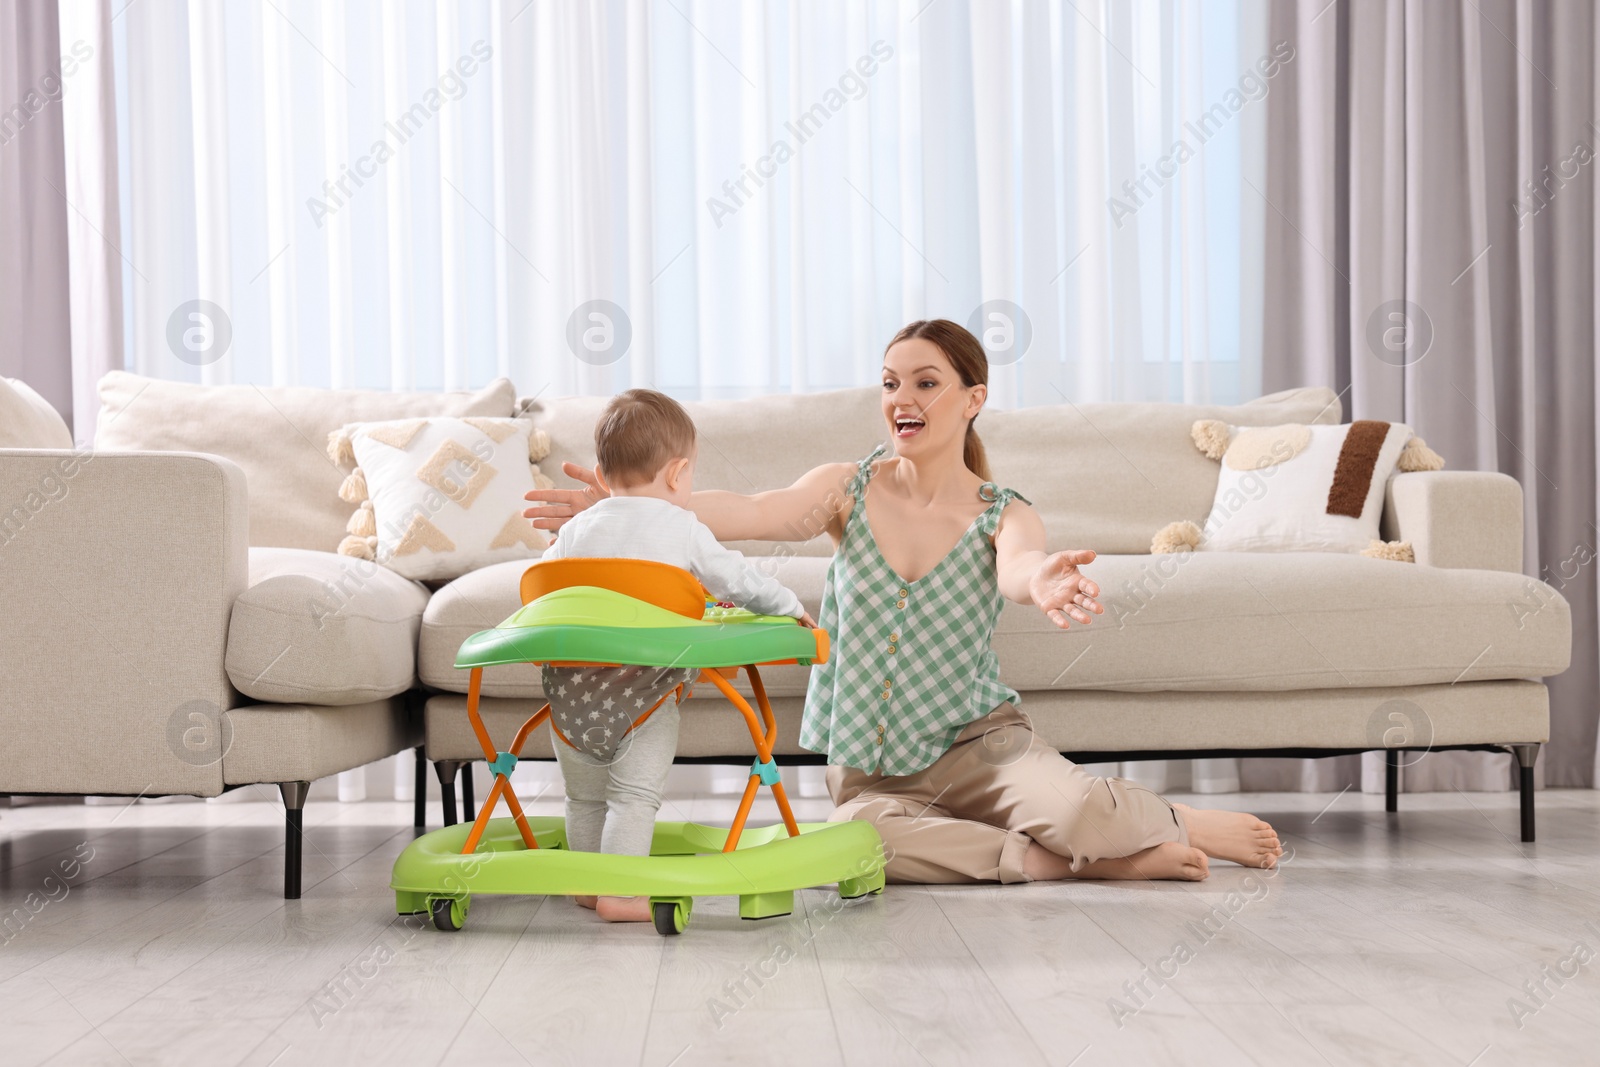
{"x": 177, "y": 621}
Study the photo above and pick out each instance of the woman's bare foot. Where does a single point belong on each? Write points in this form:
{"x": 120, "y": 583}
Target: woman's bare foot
{"x": 1232, "y": 835}
{"x": 584, "y": 902}
{"x": 624, "y": 909}
{"x": 1168, "y": 861}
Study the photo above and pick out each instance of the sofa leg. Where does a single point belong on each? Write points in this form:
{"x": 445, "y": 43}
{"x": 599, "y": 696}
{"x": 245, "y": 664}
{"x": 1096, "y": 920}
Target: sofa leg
{"x": 419, "y": 805}
{"x": 467, "y": 812}
{"x": 294, "y": 804}
{"x": 1527, "y": 756}
{"x": 446, "y": 770}
{"x": 1391, "y": 779}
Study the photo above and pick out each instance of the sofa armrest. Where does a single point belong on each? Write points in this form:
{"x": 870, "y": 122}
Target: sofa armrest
{"x": 1457, "y": 519}
{"x": 120, "y": 571}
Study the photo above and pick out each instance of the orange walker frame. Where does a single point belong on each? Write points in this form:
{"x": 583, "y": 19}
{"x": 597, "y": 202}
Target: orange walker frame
{"x": 661, "y": 585}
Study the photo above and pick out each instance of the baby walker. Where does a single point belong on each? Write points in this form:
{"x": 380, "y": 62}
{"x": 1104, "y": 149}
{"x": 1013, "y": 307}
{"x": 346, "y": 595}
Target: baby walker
{"x": 616, "y": 612}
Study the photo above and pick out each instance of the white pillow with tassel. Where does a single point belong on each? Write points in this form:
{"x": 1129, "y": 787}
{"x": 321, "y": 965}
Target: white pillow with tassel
{"x": 1300, "y": 488}
{"x": 439, "y": 497}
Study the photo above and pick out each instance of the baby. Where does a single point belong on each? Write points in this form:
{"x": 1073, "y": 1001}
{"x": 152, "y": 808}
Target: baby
{"x": 615, "y": 729}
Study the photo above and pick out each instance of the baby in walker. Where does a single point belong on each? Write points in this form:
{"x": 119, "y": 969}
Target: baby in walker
{"x": 615, "y": 729}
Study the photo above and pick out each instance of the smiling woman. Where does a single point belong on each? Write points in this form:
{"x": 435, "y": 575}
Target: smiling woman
{"x": 923, "y": 738}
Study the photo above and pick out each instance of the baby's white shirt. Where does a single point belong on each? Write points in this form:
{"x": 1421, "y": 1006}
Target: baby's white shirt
{"x": 645, "y": 527}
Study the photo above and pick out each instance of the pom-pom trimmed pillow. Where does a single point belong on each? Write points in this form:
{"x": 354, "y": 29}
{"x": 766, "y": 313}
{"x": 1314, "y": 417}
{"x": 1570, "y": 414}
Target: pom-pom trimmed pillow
{"x": 1300, "y": 488}
{"x": 439, "y": 497}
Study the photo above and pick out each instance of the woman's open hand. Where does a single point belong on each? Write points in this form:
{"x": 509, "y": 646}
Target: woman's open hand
{"x": 1061, "y": 590}
{"x": 561, "y": 504}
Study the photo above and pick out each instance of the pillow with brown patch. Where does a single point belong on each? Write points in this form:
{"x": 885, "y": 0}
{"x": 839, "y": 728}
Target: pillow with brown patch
{"x": 438, "y": 497}
{"x": 1300, "y": 488}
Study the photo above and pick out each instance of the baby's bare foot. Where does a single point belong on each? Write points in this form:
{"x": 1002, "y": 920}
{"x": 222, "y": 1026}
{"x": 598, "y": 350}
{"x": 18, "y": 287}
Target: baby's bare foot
{"x": 1232, "y": 835}
{"x": 584, "y": 902}
{"x": 624, "y": 909}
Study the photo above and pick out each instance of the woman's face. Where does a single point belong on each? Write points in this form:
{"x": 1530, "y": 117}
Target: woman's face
{"x": 924, "y": 403}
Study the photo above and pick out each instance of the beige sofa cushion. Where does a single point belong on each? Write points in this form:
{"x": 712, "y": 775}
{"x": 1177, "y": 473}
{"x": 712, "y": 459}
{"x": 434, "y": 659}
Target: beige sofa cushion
{"x": 1101, "y": 475}
{"x": 27, "y": 420}
{"x": 278, "y": 436}
{"x": 319, "y": 628}
{"x": 1229, "y": 621}
{"x": 304, "y": 742}
{"x": 1198, "y": 622}
{"x": 473, "y": 602}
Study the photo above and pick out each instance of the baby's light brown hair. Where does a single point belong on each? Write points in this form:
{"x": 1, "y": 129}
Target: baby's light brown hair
{"x": 640, "y": 432}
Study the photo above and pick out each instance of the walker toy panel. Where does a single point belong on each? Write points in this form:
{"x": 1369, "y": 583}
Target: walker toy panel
{"x": 589, "y": 624}
{"x": 433, "y": 876}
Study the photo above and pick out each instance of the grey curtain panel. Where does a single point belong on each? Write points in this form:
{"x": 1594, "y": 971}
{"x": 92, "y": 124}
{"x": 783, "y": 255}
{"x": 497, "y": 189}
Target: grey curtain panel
{"x": 1430, "y": 250}
{"x": 35, "y": 333}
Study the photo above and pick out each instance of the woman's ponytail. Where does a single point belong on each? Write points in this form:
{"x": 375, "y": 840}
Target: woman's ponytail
{"x": 973, "y": 454}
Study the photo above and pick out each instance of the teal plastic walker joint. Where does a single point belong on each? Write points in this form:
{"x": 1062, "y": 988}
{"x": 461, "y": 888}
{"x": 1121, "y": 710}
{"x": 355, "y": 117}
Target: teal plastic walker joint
{"x": 503, "y": 763}
{"x": 767, "y": 772}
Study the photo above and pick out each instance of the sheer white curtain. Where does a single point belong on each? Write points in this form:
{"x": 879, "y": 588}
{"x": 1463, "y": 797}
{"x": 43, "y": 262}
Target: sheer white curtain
{"x": 429, "y": 195}
{"x": 422, "y": 196}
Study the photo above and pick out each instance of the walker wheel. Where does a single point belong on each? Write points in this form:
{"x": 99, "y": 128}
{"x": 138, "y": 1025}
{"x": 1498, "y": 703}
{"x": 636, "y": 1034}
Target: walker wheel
{"x": 669, "y": 917}
{"x": 447, "y": 914}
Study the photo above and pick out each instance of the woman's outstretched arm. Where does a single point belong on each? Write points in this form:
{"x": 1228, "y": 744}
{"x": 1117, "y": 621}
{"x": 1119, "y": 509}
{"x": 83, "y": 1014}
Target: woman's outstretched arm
{"x": 1051, "y": 580}
{"x": 809, "y": 507}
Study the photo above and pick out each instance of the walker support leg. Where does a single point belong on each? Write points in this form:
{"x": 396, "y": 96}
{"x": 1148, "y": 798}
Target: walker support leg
{"x": 851, "y": 888}
{"x": 742, "y": 814}
{"x": 419, "y": 806}
{"x": 766, "y": 905}
{"x": 1527, "y": 756}
{"x": 502, "y": 778}
{"x": 294, "y": 804}
{"x": 764, "y": 740}
{"x": 782, "y": 798}
{"x": 446, "y": 770}
{"x": 481, "y": 823}
{"x": 521, "y": 820}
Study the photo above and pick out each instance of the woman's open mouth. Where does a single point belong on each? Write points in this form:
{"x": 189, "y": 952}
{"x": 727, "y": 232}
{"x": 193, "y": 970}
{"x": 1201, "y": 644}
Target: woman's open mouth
{"x": 907, "y": 426}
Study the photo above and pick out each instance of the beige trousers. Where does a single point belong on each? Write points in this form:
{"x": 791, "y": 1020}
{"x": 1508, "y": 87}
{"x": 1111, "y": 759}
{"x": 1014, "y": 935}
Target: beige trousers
{"x": 972, "y": 815}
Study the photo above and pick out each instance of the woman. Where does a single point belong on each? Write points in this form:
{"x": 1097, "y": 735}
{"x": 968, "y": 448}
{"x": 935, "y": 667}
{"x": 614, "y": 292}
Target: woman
{"x": 922, "y": 737}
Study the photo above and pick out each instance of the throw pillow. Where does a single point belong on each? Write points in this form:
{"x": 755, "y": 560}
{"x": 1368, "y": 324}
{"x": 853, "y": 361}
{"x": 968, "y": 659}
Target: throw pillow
{"x": 438, "y": 497}
{"x": 27, "y": 420}
{"x": 1300, "y": 488}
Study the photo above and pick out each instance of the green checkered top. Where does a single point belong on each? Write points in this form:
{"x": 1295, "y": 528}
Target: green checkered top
{"x": 911, "y": 663}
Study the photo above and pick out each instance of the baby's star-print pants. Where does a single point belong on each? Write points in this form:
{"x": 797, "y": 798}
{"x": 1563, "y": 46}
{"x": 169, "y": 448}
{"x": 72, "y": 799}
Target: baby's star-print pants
{"x": 614, "y": 770}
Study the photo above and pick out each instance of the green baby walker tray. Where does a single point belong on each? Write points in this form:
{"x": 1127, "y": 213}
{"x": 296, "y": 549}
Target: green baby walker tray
{"x": 625, "y": 612}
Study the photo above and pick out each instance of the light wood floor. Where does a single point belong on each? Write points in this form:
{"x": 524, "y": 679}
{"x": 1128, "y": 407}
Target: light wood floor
{"x": 1379, "y": 942}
